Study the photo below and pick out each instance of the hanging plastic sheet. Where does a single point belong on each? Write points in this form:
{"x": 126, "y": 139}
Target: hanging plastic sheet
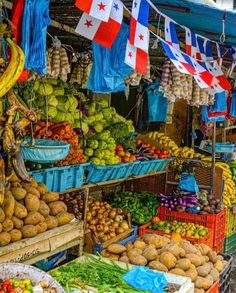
{"x": 109, "y": 70}
{"x": 232, "y": 112}
{"x": 188, "y": 183}
{"x": 34, "y": 32}
{"x": 157, "y": 103}
{"x": 207, "y": 118}
{"x": 220, "y": 103}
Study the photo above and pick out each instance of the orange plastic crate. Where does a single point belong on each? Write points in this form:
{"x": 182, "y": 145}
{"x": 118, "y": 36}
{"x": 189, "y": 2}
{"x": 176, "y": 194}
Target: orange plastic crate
{"x": 216, "y": 222}
{"x": 207, "y": 239}
{"x": 214, "y": 288}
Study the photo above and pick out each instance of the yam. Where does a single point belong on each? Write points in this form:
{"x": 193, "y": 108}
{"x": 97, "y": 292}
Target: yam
{"x": 116, "y": 248}
{"x": 168, "y": 259}
{"x": 204, "y": 270}
{"x": 219, "y": 266}
{"x": 44, "y": 209}
{"x": 28, "y": 231}
{"x": 18, "y": 223}
{"x": 215, "y": 274}
{"x": 203, "y": 283}
{"x": 2, "y": 215}
{"x": 124, "y": 259}
{"x": 5, "y": 238}
{"x": 18, "y": 193}
{"x": 20, "y": 211}
{"x": 139, "y": 244}
{"x": 150, "y": 253}
{"x": 9, "y": 205}
{"x": 42, "y": 188}
{"x": 192, "y": 274}
{"x": 16, "y": 235}
{"x": 195, "y": 259}
{"x": 7, "y": 225}
{"x": 51, "y": 222}
{"x": 64, "y": 218}
{"x": 212, "y": 256}
{"x": 156, "y": 265}
{"x": 32, "y": 202}
{"x": 33, "y": 218}
{"x": 137, "y": 259}
{"x": 177, "y": 271}
{"x": 183, "y": 264}
{"x": 32, "y": 190}
{"x": 41, "y": 227}
{"x": 57, "y": 207}
{"x": 50, "y": 197}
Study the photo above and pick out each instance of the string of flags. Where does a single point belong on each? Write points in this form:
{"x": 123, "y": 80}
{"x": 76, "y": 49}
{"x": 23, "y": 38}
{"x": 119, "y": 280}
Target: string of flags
{"x": 101, "y": 22}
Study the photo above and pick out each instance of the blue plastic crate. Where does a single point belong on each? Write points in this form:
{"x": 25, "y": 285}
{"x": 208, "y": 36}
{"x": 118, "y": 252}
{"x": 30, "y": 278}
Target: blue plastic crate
{"x": 45, "y": 176}
{"x": 226, "y": 147}
{"x": 51, "y": 262}
{"x": 98, "y": 248}
{"x": 145, "y": 167}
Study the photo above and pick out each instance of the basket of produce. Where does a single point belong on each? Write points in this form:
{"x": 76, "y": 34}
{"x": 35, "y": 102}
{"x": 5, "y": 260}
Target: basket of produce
{"x": 45, "y": 151}
{"x": 27, "y": 278}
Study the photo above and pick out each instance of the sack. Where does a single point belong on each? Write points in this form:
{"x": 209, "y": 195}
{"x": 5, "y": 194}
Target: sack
{"x": 188, "y": 183}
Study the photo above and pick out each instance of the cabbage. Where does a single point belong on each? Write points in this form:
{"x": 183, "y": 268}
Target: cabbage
{"x": 77, "y": 115}
{"x": 107, "y": 113}
{"x": 40, "y": 101}
{"x": 52, "y": 112}
{"x": 98, "y": 116}
{"x": 36, "y": 85}
{"x": 58, "y": 91}
{"x": 103, "y": 104}
{"x": 98, "y": 127}
{"x": 61, "y": 116}
{"x": 63, "y": 104}
{"x": 73, "y": 103}
{"x": 45, "y": 89}
{"x": 52, "y": 101}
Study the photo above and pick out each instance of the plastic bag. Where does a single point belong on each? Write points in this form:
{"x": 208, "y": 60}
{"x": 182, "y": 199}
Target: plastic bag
{"x": 188, "y": 183}
{"x": 109, "y": 70}
{"x": 220, "y": 103}
{"x": 232, "y": 112}
{"x": 157, "y": 103}
{"x": 143, "y": 278}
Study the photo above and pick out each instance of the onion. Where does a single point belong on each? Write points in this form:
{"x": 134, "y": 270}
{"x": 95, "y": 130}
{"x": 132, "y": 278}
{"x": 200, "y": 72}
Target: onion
{"x": 105, "y": 214}
{"x": 106, "y": 229}
{"x": 119, "y": 230}
{"x": 112, "y": 214}
{"x": 97, "y": 203}
{"x": 104, "y": 238}
{"x": 89, "y": 218}
{"x": 92, "y": 227}
{"x": 112, "y": 234}
{"x": 124, "y": 225}
{"x": 107, "y": 206}
{"x": 93, "y": 222}
{"x": 99, "y": 217}
{"x": 119, "y": 211}
{"x": 99, "y": 228}
{"x": 94, "y": 213}
{"x": 115, "y": 224}
{"x": 111, "y": 229}
{"x": 101, "y": 222}
{"x": 119, "y": 218}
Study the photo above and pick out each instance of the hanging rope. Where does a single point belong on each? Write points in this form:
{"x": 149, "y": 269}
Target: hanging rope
{"x": 223, "y": 36}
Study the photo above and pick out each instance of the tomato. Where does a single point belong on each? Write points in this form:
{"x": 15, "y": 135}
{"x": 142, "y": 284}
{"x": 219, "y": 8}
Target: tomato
{"x": 155, "y": 220}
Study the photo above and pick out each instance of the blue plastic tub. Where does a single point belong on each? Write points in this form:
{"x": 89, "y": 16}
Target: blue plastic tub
{"x": 226, "y": 147}
{"x": 145, "y": 167}
{"x": 98, "y": 248}
{"x": 60, "y": 179}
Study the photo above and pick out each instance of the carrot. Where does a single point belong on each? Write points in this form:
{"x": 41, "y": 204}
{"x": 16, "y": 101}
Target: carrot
{"x": 58, "y": 125}
{"x": 42, "y": 131}
{"x": 37, "y": 128}
{"x": 49, "y": 133}
{"x": 68, "y": 128}
{"x": 55, "y": 137}
{"x": 41, "y": 123}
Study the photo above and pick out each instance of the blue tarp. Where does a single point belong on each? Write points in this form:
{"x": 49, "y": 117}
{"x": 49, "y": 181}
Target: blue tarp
{"x": 201, "y": 18}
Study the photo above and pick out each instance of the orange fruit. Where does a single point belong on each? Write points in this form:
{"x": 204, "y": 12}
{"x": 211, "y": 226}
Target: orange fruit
{"x": 176, "y": 237}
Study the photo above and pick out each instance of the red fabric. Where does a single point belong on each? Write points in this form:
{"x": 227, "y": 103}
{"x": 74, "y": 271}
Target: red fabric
{"x": 16, "y": 19}
{"x": 229, "y": 99}
{"x": 216, "y": 114}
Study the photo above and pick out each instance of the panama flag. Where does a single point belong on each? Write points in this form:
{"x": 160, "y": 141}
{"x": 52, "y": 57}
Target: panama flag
{"x": 100, "y": 9}
{"x": 219, "y": 54}
{"x": 170, "y": 33}
{"x": 191, "y": 43}
{"x": 136, "y": 58}
{"x": 139, "y": 33}
{"x": 103, "y": 33}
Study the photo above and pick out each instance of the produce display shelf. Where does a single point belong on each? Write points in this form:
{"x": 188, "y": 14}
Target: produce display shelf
{"x": 145, "y": 167}
{"x": 207, "y": 239}
{"x": 230, "y": 245}
{"x": 31, "y": 250}
{"x": 216, "y": 222}
{"x": 225, "y": 275}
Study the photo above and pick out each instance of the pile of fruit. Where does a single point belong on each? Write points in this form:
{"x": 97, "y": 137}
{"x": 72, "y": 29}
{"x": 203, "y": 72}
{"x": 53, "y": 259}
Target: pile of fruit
{"x": 75, "y": 202}
{"x": 149, "y": 151}
{"x": 124, "y": 155}
{"x": 141, "y": 206}
{"x": 29, "y": 209}
{"x": 105, "y": 221}
{"x": 183, "y": 229}
{"x": 197, "y": 262}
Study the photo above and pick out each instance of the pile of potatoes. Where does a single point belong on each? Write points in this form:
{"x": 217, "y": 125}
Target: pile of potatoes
{"x": 197, "y": 262}
{"x": 29, "y": 209}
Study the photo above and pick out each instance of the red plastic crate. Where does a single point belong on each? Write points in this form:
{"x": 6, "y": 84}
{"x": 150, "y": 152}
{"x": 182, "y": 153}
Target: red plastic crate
{"x": 207, "y": 239}
{"x": 216, "y": 222}
{"x": 214, "y": 288}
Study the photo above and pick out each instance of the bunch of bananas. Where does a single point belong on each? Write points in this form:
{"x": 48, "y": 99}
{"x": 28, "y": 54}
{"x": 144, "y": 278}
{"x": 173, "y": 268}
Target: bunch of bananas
{"x": 229, "y": 194}
{"x": 14, "y": 68}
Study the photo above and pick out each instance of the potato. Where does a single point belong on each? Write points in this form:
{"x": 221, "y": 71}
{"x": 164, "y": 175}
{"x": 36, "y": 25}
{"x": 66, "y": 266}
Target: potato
{"x": 156, "y": 265}
{"x": 18, "y": 193}
{"x": 212, "y": 256}
{"x": 195, "y": 259}
{"x": 139, "y": 244}
{"x": 192, "y": 267}
{"x": 105, "y": 253}
{"x": 225, "y": 263}
{"x": 44, "y": 209}
{"x": 215, "y": 274}
{"x": 7, "y": 225}
{"x": 129, "y": 245}
{"x": 203, "y": 283}
{"x": 114, "y": 257}
{"x": 219, "y": 265}
{"x": 51, "y": 222}
{"x": 32, "y": 190}
{"x": 192, "y": 274}
{"x": 168, "y": 259}
{"x": 157, "y": 240}
{"x": 134, "y": 251}
{"x": 28, "y": 231}
{"x": 42, "y": 188}
{"x": 32, "y": 202}
{"x": 203, "y": 270}
{"x": 197, "y": 290}
{"x": 16, "y": 235}
{"x": 20, "y": 210}
{"x": 41, "y": 227}
{"x": 2, "y": 215}
{"x": 50, "y": 197}
{"x": 188, "y": 247}
{"x": 150, "y": 253}
{"x": 33, "y": 218}
{"x": 220, "y": 257}
{"x": 15, "y": 184}
{"x": 18, "y": 223}
{"x": 203, "y": 260}
{"x": 57, "y": 207}
{"x": 64, "y": 218}
{"x": 206, "y": 258}
{"x": 204, "y": 249}
{"x": 124, "y": 259}
{"x": 5, "y": 238}
{"x": 9, "y": 205}
{"x": 116, "y": 248}
{"x": 175, "y": 250}
{"x": 137, "y": 259}
{"x": 178, "y": 272}
{"x": 183, "y": 264}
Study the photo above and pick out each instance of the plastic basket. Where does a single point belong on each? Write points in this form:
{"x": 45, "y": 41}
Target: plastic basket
{"x": 51, "y": 262}
{"x": 98, "y": 248}
{"x": 45, "y": 151}
{"x": 207, "y": 239}
{"x": 225, "y": 275}
{"x": 145, "y": 167}
{"x": 230, "y": 222}
{"x": 61, "y": 178}
{"x": 214, "y": 288}
{"x": 230, "y": 245}
{"x": 216, "y": 222}
{"x": 221, "y": 147}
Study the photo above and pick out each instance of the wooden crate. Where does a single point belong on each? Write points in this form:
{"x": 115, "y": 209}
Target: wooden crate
{"x": 45, "y": 244}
